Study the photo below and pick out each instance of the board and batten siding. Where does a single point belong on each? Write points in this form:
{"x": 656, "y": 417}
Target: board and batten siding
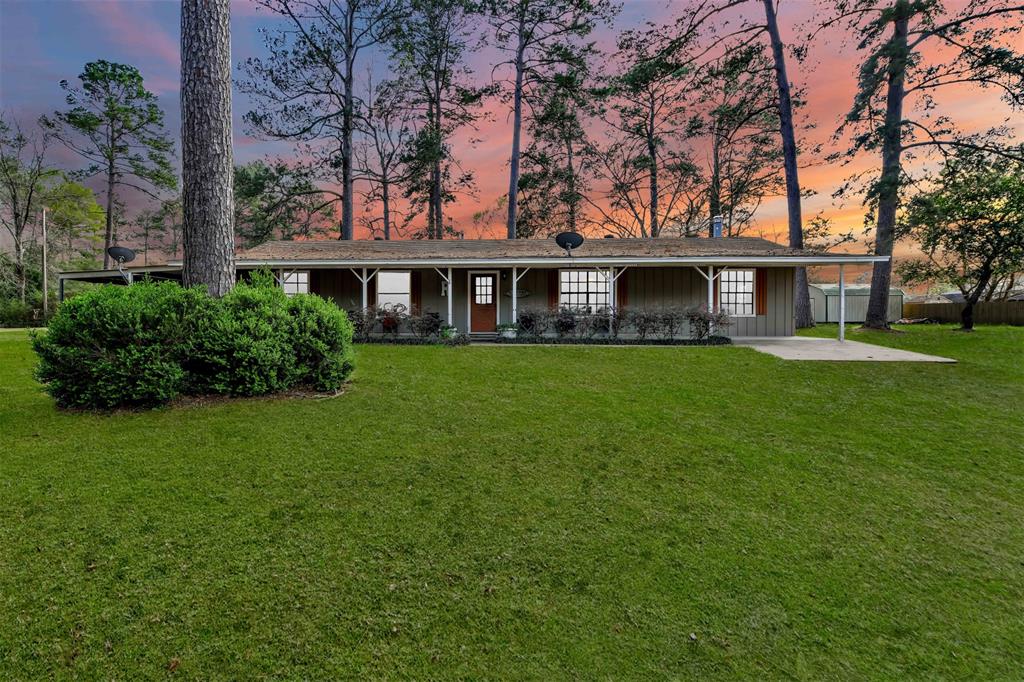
{"x": 645, "y": 288}
{"x": 661, "y": 287}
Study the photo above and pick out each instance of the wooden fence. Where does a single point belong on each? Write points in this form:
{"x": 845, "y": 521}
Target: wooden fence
{"x": 992, "y": 312}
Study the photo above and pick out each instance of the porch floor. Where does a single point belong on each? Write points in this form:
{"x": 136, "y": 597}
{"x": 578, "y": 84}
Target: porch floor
{"x": 807, "y": 348}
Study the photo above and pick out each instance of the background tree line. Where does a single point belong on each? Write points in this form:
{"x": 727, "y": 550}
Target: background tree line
{"x": 673, "y": 125}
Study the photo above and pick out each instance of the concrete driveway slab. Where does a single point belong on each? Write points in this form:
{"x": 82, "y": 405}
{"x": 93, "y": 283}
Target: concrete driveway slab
{"x": 833, "y": 350}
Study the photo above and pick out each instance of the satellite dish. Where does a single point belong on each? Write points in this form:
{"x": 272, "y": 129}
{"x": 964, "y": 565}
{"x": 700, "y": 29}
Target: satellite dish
{"x": 569, "y": 241}
{"x": 121, "y": 254}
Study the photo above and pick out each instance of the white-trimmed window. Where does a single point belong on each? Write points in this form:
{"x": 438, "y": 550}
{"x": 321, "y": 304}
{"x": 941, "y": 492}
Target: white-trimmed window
{"x": 394, "y": 288}
{"x": 584, "y": 289}
{"x": 295, "y": 282}
{"x": 736, "y": 292}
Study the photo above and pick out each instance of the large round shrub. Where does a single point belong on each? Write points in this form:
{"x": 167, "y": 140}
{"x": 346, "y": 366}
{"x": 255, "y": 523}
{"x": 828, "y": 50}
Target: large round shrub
{"x": 120, "y": 346}
{"x": 244, "y": 349}
{"x": 321, "y": 338}
{"x": 146, "y": 344}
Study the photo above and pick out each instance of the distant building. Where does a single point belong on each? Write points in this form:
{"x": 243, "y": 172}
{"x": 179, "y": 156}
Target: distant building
{"x": 825, "y": 302}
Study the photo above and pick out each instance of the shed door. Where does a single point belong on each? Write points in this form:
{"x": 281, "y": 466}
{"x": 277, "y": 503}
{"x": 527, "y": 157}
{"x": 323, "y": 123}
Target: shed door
{"x": 483, "y": 303}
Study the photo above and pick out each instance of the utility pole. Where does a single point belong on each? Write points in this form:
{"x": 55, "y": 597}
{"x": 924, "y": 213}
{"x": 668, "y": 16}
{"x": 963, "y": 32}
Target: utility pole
{"x": 46, "y": 292}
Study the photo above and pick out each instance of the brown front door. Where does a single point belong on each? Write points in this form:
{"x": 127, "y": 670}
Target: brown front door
{"x": 483, "y": 303}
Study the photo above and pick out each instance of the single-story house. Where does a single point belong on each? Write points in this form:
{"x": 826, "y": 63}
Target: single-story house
{"x": 825, "y": 302}
{"x": 475, "y": 285}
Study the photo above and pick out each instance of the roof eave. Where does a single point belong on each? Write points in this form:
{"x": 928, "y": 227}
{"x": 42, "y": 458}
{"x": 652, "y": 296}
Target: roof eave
{"x": 759, "y": 260}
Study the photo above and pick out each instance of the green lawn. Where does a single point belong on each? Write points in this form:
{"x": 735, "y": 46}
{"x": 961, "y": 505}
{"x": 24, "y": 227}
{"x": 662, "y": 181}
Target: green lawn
{"x": 530, "y": 512}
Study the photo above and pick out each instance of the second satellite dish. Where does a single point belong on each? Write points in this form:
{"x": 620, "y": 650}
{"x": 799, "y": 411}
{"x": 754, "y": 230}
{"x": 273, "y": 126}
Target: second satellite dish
{"x": 569, "y": 241}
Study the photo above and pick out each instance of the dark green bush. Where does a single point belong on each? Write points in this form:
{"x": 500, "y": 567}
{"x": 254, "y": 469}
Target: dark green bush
{"x": 146, "y": 344}
{"x": 245, "y": 348}
{"x": 120, "y": 346}
{"x": 321, "y": 339}
{"x": 14, "y": 313}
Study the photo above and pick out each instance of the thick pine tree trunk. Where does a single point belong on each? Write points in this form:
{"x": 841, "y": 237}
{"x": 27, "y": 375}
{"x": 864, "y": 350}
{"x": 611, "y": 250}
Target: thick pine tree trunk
{"x": 802, "y": 299}
{"x": 206, "y": 155}
{"x": 517, "y": 124}
{"x": 347, "y": 125}
{"x": 652, "y": 153}
{"x": 889, "y": 183}
{"x": 108, "y": 232}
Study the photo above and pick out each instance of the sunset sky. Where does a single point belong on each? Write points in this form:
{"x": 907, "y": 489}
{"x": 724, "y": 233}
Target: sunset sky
{"x": 43, "y": 41}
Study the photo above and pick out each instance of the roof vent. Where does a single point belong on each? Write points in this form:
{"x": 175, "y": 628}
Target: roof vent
{"x": 609, "y": 236}
{"x": 378, "y": 239}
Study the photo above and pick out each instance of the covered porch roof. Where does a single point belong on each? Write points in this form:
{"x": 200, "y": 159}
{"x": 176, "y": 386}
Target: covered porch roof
{"x": 538, "y": 253}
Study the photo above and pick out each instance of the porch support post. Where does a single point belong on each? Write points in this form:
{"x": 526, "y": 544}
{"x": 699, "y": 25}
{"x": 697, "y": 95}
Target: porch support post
{"x": 451, "y": 293}
{"x": 366, "y": 302}
{"x": 515, "y": 295}
{"x": 711, "y": 288}
{"x": 842, "y": 304}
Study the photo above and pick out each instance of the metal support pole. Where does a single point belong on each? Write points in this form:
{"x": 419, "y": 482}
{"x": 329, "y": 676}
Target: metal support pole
{"x": 842, "y": 304}
{"x": 451, "y": 293}
{"x": 711, "y": 288}
{"x": 366, "y": 302}
{"x": 515, "y": 295}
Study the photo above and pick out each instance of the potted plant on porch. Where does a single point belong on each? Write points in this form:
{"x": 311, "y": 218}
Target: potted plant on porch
{"x": 508, "y": 330}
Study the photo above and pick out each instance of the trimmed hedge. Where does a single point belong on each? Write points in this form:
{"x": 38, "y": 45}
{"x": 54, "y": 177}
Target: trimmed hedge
{"x": 606, "y": 341}
{"x": 147, "y": 344}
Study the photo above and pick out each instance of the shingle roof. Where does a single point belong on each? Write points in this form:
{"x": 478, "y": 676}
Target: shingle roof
{"x": 372, "y": 250}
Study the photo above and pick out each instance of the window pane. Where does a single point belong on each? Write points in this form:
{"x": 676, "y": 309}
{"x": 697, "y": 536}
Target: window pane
{"x": 585, "y": 289}
{"x": 295, "y": 283}
{"x": 393, "y": 300}
{"x": 394, "y": 282}
{"x": 736, "y": 292}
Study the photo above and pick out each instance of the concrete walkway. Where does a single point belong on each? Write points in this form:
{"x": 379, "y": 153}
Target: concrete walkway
{"x": 807, "y": 348}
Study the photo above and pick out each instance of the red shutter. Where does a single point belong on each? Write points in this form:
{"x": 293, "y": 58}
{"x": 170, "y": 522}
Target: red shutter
{"x": 371, "y": 291}
{"x": 552, "y": 289}
{"x": 716, "y": 284}
{"x": 761, "y": 291}
{"x": 416, "y": 285}
{"x": 622, "y": 290}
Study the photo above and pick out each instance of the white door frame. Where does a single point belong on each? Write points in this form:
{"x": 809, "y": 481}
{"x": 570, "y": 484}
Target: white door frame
{"x": 469, "y": 298}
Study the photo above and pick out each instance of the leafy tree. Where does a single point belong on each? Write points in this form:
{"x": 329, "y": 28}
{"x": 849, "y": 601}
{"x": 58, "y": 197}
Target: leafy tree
{"x": 386, "y": 122}
{"x": 754, "y": 25}
{"x": 913, "y": 50}
{"x": 646, "y": 167}
{"x": 24, "y": 175}
{"x": 969, "y": 224}
{"x": 207, "y": 198}
{"x": 117, "y": 126}
{"x": 539, "y": 36}
{"x": 740, "y": 124}
{"x": 553, "y": 185}
{"x": 74, "y": 221}
{"x": 306, "y": 86}
{"x": 276, "y": 201}
{"x": 430, "y": 49}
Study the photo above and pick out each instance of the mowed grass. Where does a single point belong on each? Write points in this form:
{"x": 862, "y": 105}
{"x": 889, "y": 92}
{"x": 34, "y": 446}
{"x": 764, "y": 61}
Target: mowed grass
{"x": 530, "y": 512}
